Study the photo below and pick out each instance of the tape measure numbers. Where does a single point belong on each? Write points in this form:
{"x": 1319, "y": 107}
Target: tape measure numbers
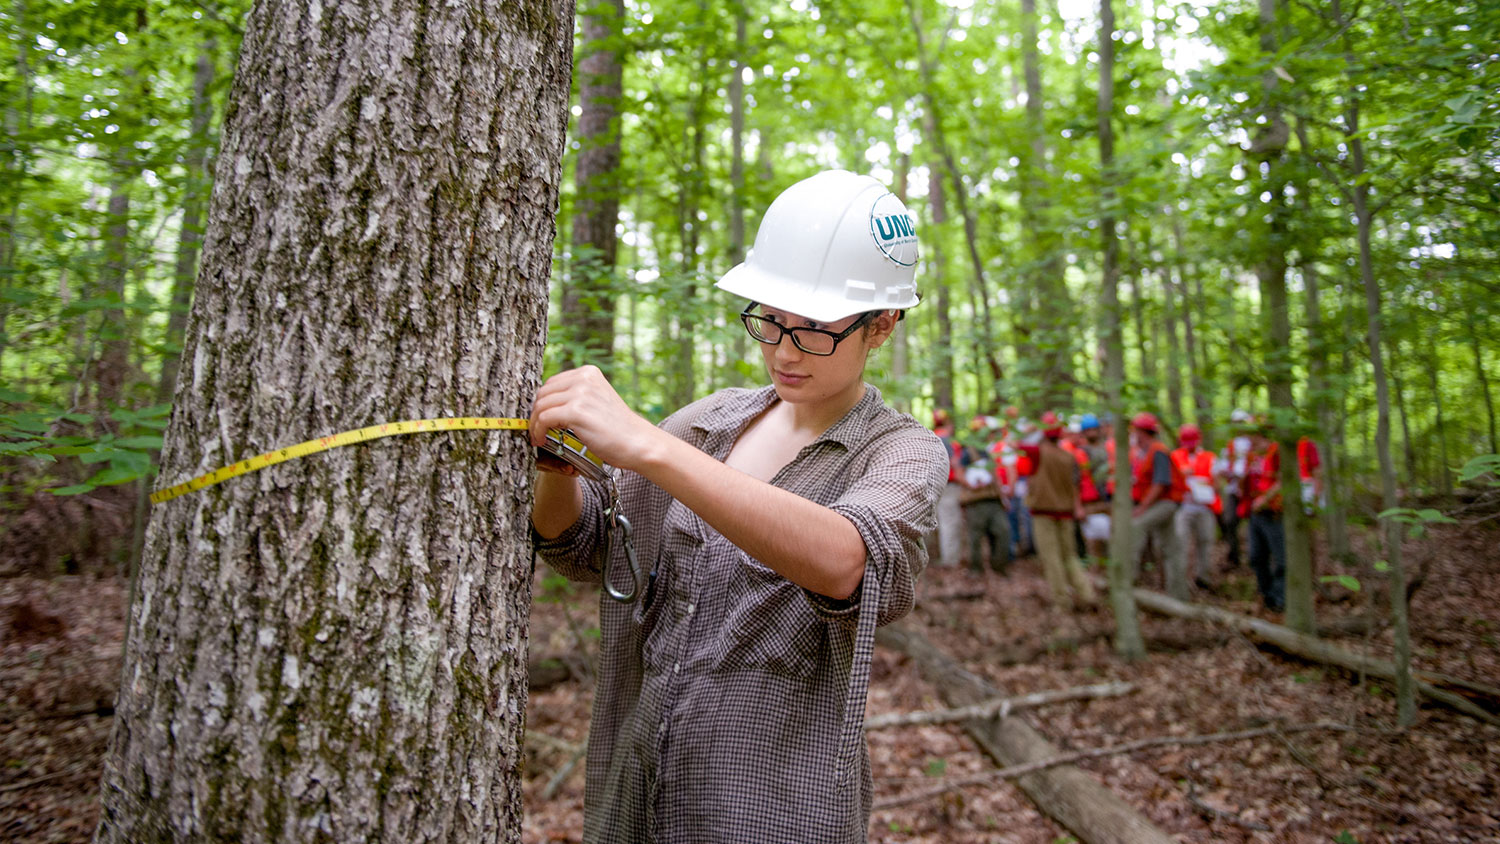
{"x": 372, "y": 432}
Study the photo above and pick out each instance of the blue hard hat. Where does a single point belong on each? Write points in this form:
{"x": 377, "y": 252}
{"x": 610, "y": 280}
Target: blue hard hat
{"x": 1088, "y": 423}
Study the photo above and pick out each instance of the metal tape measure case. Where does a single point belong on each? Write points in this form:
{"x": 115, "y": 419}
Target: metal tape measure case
{"x": 564, "y": 445}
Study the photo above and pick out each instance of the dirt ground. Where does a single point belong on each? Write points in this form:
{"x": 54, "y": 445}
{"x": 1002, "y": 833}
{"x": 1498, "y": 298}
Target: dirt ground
{"x": 1440, "y": 781}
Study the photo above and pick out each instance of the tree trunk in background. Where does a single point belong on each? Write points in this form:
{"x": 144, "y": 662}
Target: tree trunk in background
{"x": 1359, "y": 187}
{"x": 112, "y": 368}
{"x": 334, "y": 648}
{"x": 960, "y": 195}
{"x": 1128, "y": 641}
{"x": 1202, "y": 412}
{"x": 1321, "y": 392}
{"x": 899, "y": 351}
{"x": 1147, "y": 355}
{"x": 1268, "y": 149}
{"x": 15, "y": 163}
{"x": 588, "y": 302}
{"x": 942, "y": 377}
{"x": 1408, "y": 451}
{"x": 737, "y": 173}
{"x": 1484, "y": 381}
{"x": 1168, "y": 326}
{"x": 1444, "y": 479}
{"x": 1052, "y": 333}
{"x": 195, "y": 195}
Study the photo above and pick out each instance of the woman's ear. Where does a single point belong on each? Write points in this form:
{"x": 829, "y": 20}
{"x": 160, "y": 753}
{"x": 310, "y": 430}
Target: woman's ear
{"x": 880, "y": 328}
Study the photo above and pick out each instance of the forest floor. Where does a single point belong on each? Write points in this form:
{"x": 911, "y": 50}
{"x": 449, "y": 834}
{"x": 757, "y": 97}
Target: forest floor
{"x": 1440, "y": 781}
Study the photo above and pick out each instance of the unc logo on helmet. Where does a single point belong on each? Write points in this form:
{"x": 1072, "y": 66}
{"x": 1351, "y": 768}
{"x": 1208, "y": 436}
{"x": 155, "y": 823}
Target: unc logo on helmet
{"x": 892, "y": 228}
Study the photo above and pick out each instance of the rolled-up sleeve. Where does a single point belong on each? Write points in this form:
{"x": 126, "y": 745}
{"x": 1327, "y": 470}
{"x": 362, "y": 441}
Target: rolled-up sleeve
{"x": 573, "y": 552}
{"x": 892, "y": 505}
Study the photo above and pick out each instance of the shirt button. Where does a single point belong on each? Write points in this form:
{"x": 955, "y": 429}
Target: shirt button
{"x": 662, "y": 728}
{"x": 690, "y": 609}
{"x": 676, "y": 668}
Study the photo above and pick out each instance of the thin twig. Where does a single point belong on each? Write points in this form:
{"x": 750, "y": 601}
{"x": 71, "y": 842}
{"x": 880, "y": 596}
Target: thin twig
{"x": 1014, "y": 771}
{"x": 17, "y": 786}
{"x": 1212, "y": 813}
{"x": 1001, "y": 706}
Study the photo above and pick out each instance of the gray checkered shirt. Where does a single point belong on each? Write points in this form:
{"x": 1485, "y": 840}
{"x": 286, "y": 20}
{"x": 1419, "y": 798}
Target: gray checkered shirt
{"x": 731, "y": 702}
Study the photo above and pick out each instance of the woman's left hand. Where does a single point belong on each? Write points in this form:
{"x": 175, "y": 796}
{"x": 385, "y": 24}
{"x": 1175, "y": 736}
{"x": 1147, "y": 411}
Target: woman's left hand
{"x": 583, "y": 401}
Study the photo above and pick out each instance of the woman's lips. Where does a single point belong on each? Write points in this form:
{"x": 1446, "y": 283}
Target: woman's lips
{"x": 790, "y": 379}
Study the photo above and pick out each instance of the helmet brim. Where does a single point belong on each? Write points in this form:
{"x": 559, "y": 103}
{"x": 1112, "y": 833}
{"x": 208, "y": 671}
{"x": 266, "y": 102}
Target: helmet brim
{"x": 797, "y": 297}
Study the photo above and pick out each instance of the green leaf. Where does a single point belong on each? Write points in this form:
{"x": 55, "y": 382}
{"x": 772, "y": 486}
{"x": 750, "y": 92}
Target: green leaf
{"x": 1348, "y": 581}
{"x": 149, "y": 441}
{"x": 1382, "y": 566}
{"x": 1435, "y": 517}
{"x": 10, "y": 395}
{"x": 114, "y": 476}
{"x": 76, "y": 489}
{"x": 97, "y": 455}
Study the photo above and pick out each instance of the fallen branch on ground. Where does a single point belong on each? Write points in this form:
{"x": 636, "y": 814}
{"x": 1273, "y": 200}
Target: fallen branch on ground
{"x": 1306, "y": 647}
{"x": 1073, "y": 798}
{"x": 1014, "y": 771}
{"x": 55, "y": 775}
{"x": 1002, "y": 706}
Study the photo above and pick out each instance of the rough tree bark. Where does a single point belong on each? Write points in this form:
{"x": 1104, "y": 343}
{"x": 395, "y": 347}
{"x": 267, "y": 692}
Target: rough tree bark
{"x": 588, "y": 305}
{"x": 1128, "y": 642}
{"x": 333, "y": 649}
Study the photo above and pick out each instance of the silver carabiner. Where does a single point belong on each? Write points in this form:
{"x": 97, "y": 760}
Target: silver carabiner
{"x": 617, "y": 519}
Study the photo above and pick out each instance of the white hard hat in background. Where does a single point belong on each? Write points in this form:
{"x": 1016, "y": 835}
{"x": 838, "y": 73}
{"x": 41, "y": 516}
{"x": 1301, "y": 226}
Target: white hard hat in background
{"x": 831, "y": 245}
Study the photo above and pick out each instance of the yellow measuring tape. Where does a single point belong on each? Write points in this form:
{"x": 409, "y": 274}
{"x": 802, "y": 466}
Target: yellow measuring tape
{"x": 373, "y": 432}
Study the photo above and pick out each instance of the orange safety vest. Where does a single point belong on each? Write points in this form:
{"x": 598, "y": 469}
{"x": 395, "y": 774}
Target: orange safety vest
{"x": 1199, "y": 464}
{"x": 1087, "y": 491}
{"x": 1178, "y": 488}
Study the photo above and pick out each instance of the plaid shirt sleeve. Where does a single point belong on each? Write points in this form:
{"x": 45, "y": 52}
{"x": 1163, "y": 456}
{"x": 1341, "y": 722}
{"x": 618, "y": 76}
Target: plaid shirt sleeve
{"x": 892, "y": 505}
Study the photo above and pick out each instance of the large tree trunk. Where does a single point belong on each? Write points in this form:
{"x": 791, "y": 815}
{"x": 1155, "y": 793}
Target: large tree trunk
{"x": 588, "y": 305}
{"x": 195, "y": 197}
{"x": 333, "y": 648}
{"x": 1128, "y": 642}
{"x": 1064, "y": 793}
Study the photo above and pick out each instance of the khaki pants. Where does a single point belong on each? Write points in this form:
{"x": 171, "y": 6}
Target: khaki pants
{"x": 1059, "y": 552}
{"x": 1157, "y": 523}
{"x": 950, "y": 516}
{"x": 1196, "y": 526}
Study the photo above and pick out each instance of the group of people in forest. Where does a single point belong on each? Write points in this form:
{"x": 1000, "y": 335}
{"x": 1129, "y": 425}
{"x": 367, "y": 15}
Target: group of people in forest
{"x": 1016, "y": 487}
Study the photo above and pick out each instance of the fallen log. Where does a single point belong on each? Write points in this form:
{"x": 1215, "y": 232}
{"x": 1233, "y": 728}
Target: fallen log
{"x": 1002, "y": 706}
{"x": 1306, "y": 647}
{"x": 1021, "y": 770}
{"x": 1064, "y": 793}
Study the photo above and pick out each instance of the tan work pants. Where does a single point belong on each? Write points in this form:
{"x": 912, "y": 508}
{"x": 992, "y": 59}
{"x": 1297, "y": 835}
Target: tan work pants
{"x": 1056, "y": 547}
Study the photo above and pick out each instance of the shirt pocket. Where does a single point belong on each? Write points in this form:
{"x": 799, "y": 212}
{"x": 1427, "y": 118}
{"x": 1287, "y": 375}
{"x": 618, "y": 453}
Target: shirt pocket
{"x": 650, "y": 642}
{"x": 768, "y": 625}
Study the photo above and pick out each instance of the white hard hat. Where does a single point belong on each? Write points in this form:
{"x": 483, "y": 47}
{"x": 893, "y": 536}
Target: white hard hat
{"x": 1239, "y": 416}
{"x": 831, "y": 245}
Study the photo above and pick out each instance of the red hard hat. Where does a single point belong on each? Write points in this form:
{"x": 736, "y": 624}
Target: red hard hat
{"x": 1051, "y": 425}
{"x": 1146, "y": 422}
{"x": 1189, "y": 433}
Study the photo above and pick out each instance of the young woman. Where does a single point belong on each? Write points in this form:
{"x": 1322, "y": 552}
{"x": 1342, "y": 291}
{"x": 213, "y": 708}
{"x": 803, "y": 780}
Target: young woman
{"x": 779, "y": 527}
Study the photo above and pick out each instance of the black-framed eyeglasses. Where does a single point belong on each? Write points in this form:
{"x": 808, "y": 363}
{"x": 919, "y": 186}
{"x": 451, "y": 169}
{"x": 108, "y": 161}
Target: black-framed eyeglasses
{"x": 814, "y": 341}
